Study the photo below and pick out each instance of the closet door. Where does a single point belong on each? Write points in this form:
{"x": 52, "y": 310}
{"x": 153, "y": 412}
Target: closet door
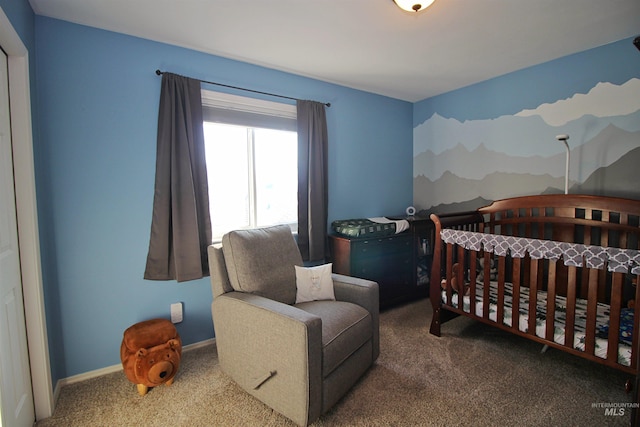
{"x": 16, "y": 394}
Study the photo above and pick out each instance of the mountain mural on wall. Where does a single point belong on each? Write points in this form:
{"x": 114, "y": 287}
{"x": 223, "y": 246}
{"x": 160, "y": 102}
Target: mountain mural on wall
{"x": 464, "y": 163}
{"x": 621, "y": 178}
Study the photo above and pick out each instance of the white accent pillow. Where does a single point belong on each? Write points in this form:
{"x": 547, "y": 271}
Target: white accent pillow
{"x": 314, "y": 283}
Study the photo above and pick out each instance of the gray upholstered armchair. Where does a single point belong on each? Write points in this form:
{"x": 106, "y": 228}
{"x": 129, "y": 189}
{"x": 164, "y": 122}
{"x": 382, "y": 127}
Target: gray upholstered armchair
{"x": 297, "y": 358}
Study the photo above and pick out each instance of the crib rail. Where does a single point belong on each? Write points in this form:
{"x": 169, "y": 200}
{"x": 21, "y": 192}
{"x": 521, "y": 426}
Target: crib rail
{"x": 591, "y": 220}
{"x": 604, "y": 221}
{"x": 464, "y": 249}
{"x": 584, "y": 220}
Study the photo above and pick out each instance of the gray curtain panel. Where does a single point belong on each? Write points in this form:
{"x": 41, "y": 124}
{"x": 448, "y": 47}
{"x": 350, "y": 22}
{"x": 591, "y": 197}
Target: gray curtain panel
{"x": 312, "y": 180}
{"x": 181, "y": 226}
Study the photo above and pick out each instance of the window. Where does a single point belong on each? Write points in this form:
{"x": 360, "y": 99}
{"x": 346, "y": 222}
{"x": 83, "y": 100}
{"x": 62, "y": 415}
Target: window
{"x": 252, "y": 162}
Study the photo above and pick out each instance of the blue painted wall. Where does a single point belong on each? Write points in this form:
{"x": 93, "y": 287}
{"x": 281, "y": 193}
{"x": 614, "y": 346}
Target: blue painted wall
{"x": 22, "y": 20}
{"x": 97, "y": 115}
{"x": 497, "y": 138}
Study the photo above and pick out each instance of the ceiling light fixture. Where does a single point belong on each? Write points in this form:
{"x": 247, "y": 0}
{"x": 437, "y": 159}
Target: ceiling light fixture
{"x": 412, "y": 5}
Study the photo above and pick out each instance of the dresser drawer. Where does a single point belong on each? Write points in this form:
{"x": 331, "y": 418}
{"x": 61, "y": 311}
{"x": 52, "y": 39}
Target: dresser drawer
{"x": 387, "y": 268}
{"x": 382, "y": 246}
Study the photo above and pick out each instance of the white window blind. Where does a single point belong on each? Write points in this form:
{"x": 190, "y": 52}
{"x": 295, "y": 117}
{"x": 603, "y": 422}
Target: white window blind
{"x": 239, "y": 110}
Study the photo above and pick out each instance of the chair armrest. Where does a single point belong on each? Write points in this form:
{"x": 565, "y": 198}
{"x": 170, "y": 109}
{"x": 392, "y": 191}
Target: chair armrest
{"x": 272, "y": 350}
{"x": 358, "y": 291}
{"x": 365, "y": 293}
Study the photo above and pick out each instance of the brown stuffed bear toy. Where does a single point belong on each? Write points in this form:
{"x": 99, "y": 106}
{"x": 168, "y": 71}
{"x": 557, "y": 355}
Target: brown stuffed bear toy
{"x": 150, "y": 353}
{"x": 464, "y": 288}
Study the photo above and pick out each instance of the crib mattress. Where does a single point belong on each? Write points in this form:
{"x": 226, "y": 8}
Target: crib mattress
{"x": 602, "y": 318}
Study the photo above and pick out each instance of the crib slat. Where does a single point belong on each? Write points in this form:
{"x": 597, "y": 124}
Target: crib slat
{"x": 473, "y": 261}
{"x": 486, "y": 285}
{"x": 564, "y": 225}
{"x": 540, "y": 283}
{"x": 527, "y": 226}
{"x": 527, "y": 271}
{"x": 449, "y": 265}
{"x": 592, "y": 305}
{"x": 604, "y": 239}
{"x": 571, "y": 308}
{"x": 533, "y": 291}
{"x": 541, "y": 212}
{"x": 624, "y": 219}
{"x": 551, "y": 301}
{"x": 584, "y": 290}
{"x": 500, "y": 308}
{"x": 605, "y": 234}
{"x": 614, "y": 317}
{"x": 460, "y": 277}
{"x": 515, "y": 309}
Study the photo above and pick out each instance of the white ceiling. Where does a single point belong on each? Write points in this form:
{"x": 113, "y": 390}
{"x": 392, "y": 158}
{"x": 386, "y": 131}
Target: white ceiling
{"x": 370, "y": 45}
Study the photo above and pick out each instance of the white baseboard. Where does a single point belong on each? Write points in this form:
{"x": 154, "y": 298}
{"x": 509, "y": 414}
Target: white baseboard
{"x": 110, "y": 369}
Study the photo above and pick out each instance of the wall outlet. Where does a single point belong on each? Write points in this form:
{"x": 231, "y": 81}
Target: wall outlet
{"x": 176, "y": 312}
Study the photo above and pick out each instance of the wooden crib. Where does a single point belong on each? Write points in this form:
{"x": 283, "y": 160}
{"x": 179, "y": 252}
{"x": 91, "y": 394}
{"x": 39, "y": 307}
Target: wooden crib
{"x": 573, "y": 260}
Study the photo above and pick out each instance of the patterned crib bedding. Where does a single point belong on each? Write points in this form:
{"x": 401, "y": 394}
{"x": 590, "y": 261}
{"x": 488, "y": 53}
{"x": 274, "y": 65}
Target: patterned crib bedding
{"x": 602, "y": 318}
{"x": 369, "y": 227}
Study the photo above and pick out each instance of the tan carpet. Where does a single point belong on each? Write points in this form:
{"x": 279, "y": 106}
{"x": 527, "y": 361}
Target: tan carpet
{"x": 472, "y": 375}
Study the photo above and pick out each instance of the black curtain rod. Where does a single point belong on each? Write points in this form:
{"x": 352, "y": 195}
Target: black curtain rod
{"x": 159, "y": 73}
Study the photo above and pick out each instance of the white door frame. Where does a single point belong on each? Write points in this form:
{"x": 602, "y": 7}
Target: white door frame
{"x": 24, "y": 175}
